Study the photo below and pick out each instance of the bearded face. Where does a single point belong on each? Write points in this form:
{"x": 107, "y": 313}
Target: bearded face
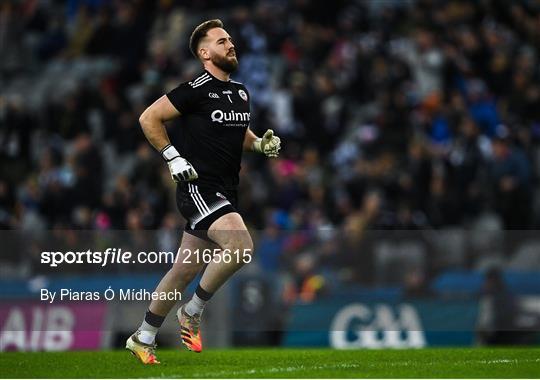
{"x": 218, "y": 47}
{"x": 228, "y": 62}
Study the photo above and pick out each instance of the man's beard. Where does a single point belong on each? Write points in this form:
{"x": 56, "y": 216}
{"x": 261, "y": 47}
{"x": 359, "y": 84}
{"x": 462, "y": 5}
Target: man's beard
{"x": 226, "y": 64}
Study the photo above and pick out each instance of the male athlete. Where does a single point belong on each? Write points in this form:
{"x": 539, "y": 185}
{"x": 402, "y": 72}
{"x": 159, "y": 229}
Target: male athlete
{"x": 215, "y": 112}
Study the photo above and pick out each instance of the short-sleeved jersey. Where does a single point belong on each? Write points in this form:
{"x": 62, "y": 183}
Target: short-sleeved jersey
{"x": 215, "y": 115}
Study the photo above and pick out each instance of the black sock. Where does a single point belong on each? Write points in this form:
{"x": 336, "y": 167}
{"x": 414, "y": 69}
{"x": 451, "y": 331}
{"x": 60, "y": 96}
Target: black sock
{"x": 203, "y": 294}
{"x": 153, "y": 319}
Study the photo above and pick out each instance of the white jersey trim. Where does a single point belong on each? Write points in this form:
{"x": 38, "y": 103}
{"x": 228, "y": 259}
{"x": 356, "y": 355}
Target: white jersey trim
{"x": 199, "y": 79}
{"x": 202, "y": 82}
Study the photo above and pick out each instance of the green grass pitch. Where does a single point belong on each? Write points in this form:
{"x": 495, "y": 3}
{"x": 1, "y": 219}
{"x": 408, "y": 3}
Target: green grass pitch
{"x": 280, "y": 363}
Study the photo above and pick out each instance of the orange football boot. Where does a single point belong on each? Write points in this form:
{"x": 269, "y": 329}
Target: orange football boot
{"x": 146, "y": 353}
{"x": 190, "y": 331}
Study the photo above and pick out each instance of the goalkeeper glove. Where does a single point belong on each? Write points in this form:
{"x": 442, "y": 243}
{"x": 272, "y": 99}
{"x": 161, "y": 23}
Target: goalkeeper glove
{"x": 269, "y": 144}
{"x": 180, "y": 168}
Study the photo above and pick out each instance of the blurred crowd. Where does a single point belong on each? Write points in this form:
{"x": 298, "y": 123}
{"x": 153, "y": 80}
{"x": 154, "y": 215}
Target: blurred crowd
{"x": 393, "y": 115}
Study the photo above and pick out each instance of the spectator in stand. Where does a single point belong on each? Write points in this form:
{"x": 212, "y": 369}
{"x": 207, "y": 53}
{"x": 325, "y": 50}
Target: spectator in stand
{"x": 511, "y": 177}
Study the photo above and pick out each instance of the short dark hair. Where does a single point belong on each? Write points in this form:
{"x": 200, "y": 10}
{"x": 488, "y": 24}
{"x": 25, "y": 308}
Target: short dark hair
{"x": 200, "y": 32}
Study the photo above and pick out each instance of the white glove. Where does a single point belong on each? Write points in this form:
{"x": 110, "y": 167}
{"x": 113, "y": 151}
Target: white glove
{"x": 180, "y": 168}
{"x": 269, "y": 144}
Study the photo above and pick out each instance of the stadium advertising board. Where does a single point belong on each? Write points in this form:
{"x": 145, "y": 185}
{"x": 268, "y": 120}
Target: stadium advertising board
{"x": 391, "y": 324}
{"x": 35, "y": 326}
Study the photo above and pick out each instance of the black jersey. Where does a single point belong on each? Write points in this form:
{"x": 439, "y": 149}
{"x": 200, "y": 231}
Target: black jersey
{"x": 215, "y": 117}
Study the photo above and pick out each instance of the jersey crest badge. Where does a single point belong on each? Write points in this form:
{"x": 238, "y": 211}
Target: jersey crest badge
{"x": 243, "y": 95}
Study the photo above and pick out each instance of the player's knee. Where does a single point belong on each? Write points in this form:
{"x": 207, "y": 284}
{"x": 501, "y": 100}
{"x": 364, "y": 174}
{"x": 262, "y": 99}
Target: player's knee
{"x": 241, "y": 243}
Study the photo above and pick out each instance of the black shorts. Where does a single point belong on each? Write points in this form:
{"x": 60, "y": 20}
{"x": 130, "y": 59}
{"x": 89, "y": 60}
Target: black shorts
{"x": 203, "y": 205}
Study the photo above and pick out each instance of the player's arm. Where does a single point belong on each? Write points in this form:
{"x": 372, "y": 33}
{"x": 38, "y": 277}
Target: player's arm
{"x": 249, "y": 139}
{"x": 152, "y": 123}
{"x": 269, "y": 144}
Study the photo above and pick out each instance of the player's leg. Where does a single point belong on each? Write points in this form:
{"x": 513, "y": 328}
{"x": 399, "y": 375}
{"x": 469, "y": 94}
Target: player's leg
{"x": 182, "y": 272}
{"x": 231, "y": 235}
{"x": 185, "y": 268}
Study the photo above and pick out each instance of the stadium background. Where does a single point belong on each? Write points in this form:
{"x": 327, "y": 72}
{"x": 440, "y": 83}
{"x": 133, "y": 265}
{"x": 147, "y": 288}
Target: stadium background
{"x": 405, "y": 197}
